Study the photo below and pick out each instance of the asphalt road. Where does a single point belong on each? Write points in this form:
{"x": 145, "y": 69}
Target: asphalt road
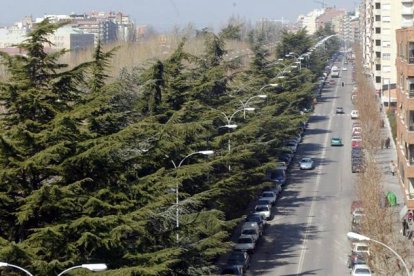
{"x": 307, "y": 235}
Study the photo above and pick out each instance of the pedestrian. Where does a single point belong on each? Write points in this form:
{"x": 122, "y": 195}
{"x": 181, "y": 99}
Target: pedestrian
{"x": 392, "y": 167}
{"x": 382, "y": 123}
{"x": 387, "y": 142}
{"x": 382, "y": 143}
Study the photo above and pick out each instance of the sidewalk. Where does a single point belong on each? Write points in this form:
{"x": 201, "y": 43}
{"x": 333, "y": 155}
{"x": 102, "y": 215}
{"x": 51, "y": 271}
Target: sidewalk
{"x": 384, "y": 157}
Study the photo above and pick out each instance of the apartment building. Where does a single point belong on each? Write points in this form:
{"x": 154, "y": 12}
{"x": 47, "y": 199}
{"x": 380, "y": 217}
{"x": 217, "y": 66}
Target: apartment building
{"x": 381, "y": 18}
{"x": 405, "y": 113}
{"x": 309, "y": 21}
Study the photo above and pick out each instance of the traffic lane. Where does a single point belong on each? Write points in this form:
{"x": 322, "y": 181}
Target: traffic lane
{"x": 328, "y": 253}
{"x": 279, "y": 251}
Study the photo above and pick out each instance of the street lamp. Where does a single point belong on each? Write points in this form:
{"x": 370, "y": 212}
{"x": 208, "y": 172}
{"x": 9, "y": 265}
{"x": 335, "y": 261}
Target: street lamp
{"x": 3, "y": 264}
{"x": 245, "y": 104}
{"x": 360, "y": 237}
{"x": 91, "y": 267}
{"x": 177, "y": 213}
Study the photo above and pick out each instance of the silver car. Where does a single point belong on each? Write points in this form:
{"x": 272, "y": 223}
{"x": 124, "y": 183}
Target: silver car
{"x": 306, "y": 163}
{"x": 245, "y": 243}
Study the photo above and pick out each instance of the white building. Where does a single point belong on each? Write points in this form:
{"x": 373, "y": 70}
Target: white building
{"x": 309, "y": 21}
{"x": 382, "y": 18}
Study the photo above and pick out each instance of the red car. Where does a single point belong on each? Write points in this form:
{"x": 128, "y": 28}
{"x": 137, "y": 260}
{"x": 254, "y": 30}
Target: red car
{"x": 356, "y": 144}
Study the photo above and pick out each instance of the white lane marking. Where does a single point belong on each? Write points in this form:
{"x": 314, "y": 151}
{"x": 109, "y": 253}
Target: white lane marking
{"x": 315, "y": 191}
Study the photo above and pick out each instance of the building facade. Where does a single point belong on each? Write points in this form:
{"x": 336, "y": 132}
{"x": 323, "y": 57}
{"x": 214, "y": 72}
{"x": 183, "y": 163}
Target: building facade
{"x": 405, "y": 112}
{"x": 381, "y": 19}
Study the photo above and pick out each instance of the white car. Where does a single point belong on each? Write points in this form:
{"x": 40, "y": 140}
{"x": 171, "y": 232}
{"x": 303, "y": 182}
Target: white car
{"x": 306, "y": 163}
{"x": 360, "y": 247}
{"x": 269, "y": 195}
{"x": 245, "y": 243}
{"x": 344, "y": 69}
{"x": 263, "y": 210}
{"x": 361, "y": 270}
{"x": 354, "y": 114}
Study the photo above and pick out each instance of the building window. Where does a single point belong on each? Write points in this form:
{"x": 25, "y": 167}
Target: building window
{"x": 411, "y": 121}
{"x": 378, "y": 67}
{"x": 410, "y": 85}
{"x": 377, "y": 30}
{"x": 377, "y": 6}
{"x": 378, "y": 54}
{"x": 411, "y": 187}
{"x": 411, "y": 52}
{"x": 386, "y": 44}
{"x": 378, "y": 42}
{"x": 386, "y": 19}
{"x": 378, "y": 18}
{"x": 378, "y": 79}
{"x": 386, "y": 56}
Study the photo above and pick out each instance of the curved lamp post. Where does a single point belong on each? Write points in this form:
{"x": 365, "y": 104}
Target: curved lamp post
{"x": 91, "y": 267}
{"x": 360, "y": 237}
{"x": 245, "y": 104}
{"x": 177, "y": 213}
{"x": 3, "y": 264}
{"x": 229, "y": 125}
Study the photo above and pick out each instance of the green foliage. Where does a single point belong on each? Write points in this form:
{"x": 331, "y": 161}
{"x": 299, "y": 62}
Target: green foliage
{"x": 88, "y": 168}
{"x": 298, "y": 43}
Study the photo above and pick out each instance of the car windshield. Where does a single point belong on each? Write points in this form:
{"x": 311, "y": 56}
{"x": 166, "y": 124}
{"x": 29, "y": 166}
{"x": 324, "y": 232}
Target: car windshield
{"x": 262, "y": 208}
{"x": 362, "y": 271}
{"x": 306, "y": 160}
{"x": 254, "y": 219}
{"x": 267, "y": 195}
{"x": 245, "y": 240}
{"x": 249, "y": 232}
{"x": 362, "y": 248}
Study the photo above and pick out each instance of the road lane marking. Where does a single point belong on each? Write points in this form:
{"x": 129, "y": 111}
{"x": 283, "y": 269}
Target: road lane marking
{"x": 315, "y": 191}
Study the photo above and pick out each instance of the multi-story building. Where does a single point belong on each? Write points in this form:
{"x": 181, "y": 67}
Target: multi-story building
{"x": 381, "y": 18}
{"x": 405, "y": 113}
{"x": 331, "y": 16}
{"x": 309, "y": 21}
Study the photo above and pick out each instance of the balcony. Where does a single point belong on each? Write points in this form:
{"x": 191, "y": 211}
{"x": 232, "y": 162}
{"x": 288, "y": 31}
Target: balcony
{"x": 407, "y": 11}
{"x": 411, "y": 93}
{"x": 411, "y": 60}
{"x": 407, "y": 23}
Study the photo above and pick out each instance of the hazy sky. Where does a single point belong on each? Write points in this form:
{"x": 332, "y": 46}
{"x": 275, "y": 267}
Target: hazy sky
{"x": 163, "y": 14}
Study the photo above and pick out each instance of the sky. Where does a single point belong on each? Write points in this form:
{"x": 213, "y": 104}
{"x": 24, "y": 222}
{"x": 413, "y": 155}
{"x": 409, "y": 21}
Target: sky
{"x": 165, "y": 14}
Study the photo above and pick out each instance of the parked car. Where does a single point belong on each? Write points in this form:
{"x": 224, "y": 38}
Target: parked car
{"x": 360, "y": 247}
{"x": 355, "y": 259}
{"x": 292, "y": 144}
{"x": 251, "y": 231}
{"x": 354, "y": 114}
{"x": 339, "y": 110}
{"x": 336, "y": 142}
{"x": 263, "y": 210}
{"x": 239, "y": 258}
{"x": 264, "y": 201}
{"x": 269, "y": 195}
{"x": 277, "y": 175}
{"x": 361, "y": 270}
{"x": 306, "y": 163}
{"x": 232, "y": 270}
{"x": 245, "y": 243}
{"x": 344, "y": 69}
{"x": 250, "y": 225}
{"x": 258, "y": 219}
